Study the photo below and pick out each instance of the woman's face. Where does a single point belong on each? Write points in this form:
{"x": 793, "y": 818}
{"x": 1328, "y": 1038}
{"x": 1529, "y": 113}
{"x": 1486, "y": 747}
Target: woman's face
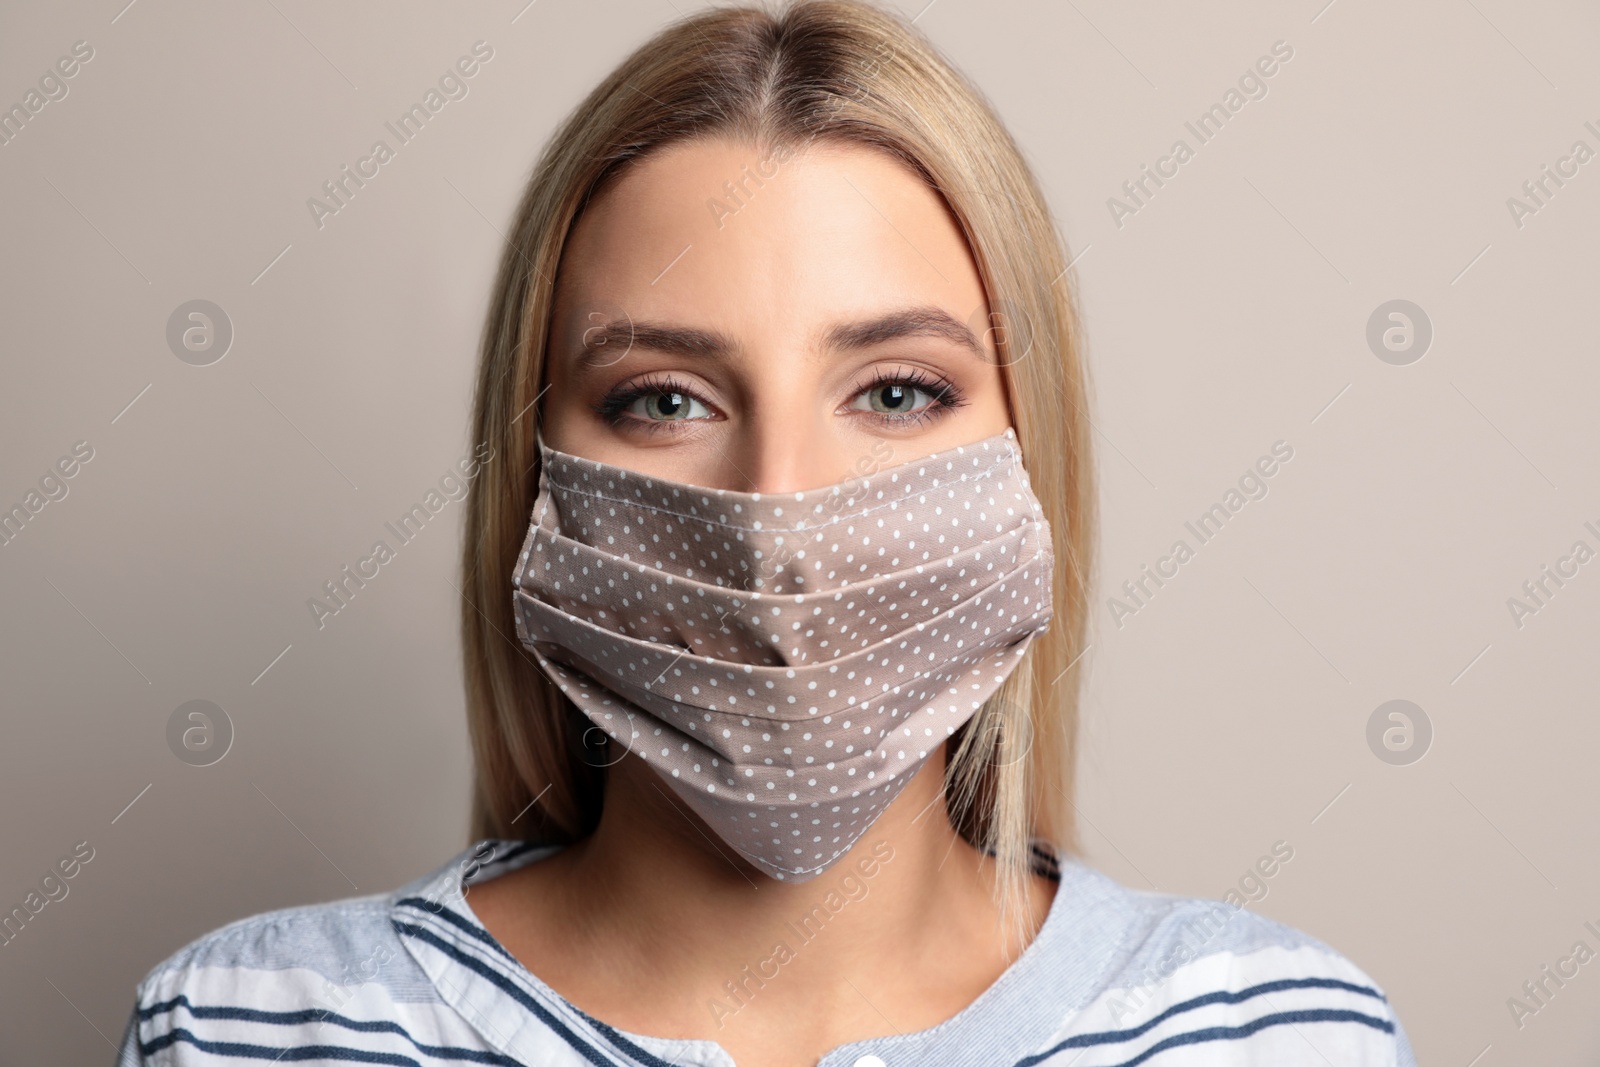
{"x": 827, "y": 322}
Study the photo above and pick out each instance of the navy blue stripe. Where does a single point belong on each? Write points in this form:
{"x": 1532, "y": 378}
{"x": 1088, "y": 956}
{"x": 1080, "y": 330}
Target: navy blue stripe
{"x": 1111, "y": 1037}
{"x": 1049, "y": 865}
{"x": 1232, "y": 1033}
{"x": 545, "y": 1016}
{"x": 484, "y": 936}
{"x": 262, "y": 1052}
{"x": 1041, "y": 860}
{"x": 614, "y": 1036}
{"x": 522, "y": 848}
{"x": 454, "y": 919}
{"x": 318, "y": 1015}
{"x": 255, "y": 1015}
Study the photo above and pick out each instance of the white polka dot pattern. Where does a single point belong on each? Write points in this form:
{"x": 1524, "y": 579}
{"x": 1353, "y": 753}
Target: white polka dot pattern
{"x": 786, "y": 662}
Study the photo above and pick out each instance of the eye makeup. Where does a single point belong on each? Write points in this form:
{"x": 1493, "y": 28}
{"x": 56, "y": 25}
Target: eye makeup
{"x": 615, "y": 406}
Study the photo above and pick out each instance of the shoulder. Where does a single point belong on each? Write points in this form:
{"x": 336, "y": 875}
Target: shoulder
{"x": 297, "y": 976}
{"x": 1188, "y": 970}
{"x": 343, "y": 940}
{"x": 323, "y": 939}
{"x": 286, "y": 977}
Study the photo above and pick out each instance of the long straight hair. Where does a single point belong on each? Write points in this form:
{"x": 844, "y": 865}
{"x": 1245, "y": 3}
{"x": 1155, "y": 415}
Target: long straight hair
{"x": 825, "y": 71}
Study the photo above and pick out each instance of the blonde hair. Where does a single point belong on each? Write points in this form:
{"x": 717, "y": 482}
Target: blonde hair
{"x": 836, "y": 71}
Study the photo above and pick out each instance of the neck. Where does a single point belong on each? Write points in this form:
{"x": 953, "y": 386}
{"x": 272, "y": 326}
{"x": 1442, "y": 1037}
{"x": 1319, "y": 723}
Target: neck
{"x": 655, "y": 887}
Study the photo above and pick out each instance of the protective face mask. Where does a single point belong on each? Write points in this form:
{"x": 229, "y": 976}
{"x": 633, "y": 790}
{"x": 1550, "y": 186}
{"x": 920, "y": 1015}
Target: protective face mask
{"x": 786, "y": 662}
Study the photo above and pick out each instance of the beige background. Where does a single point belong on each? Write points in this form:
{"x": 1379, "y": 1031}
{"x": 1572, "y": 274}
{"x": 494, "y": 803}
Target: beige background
{"x": 1229, "y": 313}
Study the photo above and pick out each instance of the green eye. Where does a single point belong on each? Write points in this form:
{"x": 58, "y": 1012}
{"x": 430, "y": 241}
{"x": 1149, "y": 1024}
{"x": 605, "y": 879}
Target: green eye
{"x": 893, "y": 398}
{"x": 667, "y": 406}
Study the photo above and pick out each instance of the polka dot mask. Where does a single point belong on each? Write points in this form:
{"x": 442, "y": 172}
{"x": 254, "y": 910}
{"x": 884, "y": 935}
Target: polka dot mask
{"x": 786, "y": 662}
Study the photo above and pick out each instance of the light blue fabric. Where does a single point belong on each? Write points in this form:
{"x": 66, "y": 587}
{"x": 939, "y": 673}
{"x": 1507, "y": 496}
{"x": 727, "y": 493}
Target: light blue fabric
{"x": 1115, "y": 976}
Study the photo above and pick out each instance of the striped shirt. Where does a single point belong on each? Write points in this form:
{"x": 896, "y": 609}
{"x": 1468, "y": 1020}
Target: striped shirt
{"x": 1115, "y": 976}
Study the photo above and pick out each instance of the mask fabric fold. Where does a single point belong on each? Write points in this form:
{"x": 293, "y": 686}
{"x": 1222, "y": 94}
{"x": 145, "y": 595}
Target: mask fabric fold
{"x": 786, "y": 662}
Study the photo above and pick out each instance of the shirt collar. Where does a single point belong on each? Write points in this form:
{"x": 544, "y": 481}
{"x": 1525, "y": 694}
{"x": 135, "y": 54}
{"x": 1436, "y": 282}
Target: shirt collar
{"x": 1060, "y": 971}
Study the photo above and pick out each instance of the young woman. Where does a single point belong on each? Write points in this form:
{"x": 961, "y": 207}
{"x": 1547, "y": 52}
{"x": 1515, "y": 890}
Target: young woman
{"x": 775, "y": 593}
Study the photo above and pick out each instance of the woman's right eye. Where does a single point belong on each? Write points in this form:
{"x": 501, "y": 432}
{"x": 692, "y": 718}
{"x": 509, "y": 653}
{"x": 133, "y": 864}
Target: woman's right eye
{"x": 652, "y": 402}
{"x": 666, "y": 406}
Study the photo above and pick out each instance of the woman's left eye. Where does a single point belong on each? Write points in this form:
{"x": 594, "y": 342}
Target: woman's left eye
{"x": 894, "y": 398}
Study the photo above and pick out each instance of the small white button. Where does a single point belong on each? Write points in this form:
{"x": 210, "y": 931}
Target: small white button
{"x": 869, "y": 1061}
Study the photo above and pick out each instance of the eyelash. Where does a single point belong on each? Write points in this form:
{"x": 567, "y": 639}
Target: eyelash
{"x": 947, "y": 396}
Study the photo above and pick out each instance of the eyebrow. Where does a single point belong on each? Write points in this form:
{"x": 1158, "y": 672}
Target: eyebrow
{"x": 924, "y": 321}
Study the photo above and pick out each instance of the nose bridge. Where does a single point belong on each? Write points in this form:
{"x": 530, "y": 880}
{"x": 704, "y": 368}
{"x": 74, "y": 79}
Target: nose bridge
{"x": 788, "y": 452}
{"x": 788, "y": 437}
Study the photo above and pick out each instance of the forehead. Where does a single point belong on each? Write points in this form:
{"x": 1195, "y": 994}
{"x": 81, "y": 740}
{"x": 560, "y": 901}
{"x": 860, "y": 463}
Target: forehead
{"x": 732, "y": 231}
